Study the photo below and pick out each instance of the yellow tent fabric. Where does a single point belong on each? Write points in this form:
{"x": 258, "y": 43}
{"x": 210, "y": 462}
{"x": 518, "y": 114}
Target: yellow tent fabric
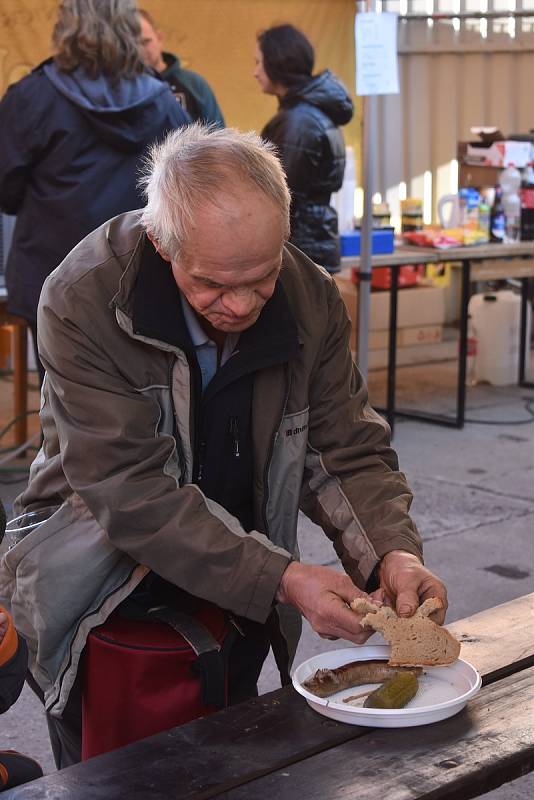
{"x": 214, "y": 37}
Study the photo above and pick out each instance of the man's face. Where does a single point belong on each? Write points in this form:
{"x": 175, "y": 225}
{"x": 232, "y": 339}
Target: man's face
{"x": 232, "y": 259}
{"x": 150, "y": 45}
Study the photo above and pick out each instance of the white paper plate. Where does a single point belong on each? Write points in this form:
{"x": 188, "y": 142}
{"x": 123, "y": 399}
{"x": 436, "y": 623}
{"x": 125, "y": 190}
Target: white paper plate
{"x": 443, "y": 691}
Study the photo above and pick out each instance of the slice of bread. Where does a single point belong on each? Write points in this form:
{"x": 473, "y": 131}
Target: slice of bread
{"x": 415, "y": 641}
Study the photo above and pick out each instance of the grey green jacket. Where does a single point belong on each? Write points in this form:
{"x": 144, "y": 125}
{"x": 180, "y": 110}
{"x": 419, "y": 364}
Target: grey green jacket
{"x": 117, "y": 456}
{"x": 193, "y": 91}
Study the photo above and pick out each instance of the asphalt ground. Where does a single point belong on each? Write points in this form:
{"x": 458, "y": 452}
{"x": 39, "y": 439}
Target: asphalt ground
{"x": 473, "y": 503}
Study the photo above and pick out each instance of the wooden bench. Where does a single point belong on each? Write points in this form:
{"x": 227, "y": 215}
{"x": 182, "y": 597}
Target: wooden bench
{"x": 276, "y": 747}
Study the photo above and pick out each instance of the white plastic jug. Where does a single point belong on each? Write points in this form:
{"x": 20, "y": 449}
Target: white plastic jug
{"x": 451, "y": 218}
{"x": 343, "y": 200}
{"x": 495, "y": 318}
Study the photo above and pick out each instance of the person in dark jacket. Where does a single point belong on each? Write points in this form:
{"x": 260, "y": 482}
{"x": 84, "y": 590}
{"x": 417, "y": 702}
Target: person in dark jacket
{"x": 192, "y": 91}
{"x": 305, "y": 131}
{"x": 15, "y": 768}
{"x": 71, "y": 136}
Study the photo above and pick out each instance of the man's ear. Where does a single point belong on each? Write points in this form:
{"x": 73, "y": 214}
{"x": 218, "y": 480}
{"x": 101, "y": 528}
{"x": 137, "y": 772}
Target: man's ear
{"x": 162, "y": 253}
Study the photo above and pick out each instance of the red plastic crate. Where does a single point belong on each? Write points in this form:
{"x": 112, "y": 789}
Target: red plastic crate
{"x": 409, "y": 275}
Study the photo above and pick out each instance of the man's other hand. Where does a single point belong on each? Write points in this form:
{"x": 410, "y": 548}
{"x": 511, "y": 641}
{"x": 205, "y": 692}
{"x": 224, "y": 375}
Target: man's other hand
{"x": 407, "y": 583}
{"x": 322, "y": 595}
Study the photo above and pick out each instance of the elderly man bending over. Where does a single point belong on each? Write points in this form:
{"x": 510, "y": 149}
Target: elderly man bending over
{"x": 199, "y": 391}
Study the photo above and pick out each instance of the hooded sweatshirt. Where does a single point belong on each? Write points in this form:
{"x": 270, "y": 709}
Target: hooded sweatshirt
{"x": 305, "y": 131}
{"x": 71, "y": 149}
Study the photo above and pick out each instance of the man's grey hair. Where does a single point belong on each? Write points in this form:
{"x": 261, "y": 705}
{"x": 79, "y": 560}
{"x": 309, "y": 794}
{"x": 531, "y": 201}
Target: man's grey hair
{"x": 194, "y": 166}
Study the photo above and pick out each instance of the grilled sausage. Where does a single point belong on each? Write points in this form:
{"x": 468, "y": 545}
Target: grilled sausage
{"x": 329, "y": 681}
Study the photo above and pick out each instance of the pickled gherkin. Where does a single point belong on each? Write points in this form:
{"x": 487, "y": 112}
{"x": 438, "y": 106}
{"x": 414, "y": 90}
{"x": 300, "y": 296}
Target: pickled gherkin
{"x": 395, "y": 692}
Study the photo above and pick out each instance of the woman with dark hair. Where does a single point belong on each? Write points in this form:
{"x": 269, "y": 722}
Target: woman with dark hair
{"x": 306, "y": 133}
{"x": 71, "y": 136}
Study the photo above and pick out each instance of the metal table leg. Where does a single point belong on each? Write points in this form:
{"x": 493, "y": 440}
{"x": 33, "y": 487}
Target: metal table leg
{"x": 458, "y": 420}
{"x": 462, "y": 355}
{"x": 524, "y": 346}
{"x": 389, "y": 410}
{"x": 392, "y": 347}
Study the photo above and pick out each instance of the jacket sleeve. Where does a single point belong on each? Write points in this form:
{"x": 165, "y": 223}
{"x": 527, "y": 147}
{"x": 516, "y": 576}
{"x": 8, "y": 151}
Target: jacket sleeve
{"x": 13, "y": 665}
{"x": 22, "y": 140}
{"x": 352, "y": 484}
{"x": 208, "y": 106}
{"x": 210, "y": 111}
{"x": 115, "y": 461}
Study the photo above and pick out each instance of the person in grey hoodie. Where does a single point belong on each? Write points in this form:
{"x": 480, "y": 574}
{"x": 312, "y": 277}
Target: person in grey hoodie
{"x": 72, "y": 134}
{"x": 306, "y": 133}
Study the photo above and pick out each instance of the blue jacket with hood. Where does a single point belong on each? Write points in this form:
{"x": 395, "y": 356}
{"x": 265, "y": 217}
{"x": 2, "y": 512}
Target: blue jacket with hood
{"x": 70, "y": 151}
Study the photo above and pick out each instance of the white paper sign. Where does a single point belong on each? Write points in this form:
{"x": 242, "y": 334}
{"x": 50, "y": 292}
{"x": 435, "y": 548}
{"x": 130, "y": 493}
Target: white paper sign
{"x": 377, "y": 69}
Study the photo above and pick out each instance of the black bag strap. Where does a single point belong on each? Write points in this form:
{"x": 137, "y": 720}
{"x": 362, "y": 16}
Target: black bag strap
{"x": 210, "y": 664}
{"x": 194, "y": 632}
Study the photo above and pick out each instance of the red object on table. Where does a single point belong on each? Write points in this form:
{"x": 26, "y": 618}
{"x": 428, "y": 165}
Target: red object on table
{"x": 409, "y": 275}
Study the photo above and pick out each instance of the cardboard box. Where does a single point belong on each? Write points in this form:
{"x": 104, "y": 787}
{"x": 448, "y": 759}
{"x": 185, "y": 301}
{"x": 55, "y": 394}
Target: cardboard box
{"x": 420, "y": 309}
{"x": 418, "y": 334}
{"x": 478, "y": 176}
{"x": 495, "y": 154}
{"x": 445, "y": 350}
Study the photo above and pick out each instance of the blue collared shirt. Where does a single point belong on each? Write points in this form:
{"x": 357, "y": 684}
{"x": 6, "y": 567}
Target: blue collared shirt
{"x": 205, "y": 348}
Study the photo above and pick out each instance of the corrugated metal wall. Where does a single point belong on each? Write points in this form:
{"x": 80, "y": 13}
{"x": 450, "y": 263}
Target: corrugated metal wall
{"x": 454, "y": 74}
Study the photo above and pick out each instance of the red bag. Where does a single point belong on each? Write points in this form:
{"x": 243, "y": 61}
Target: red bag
{"x": 142, "y": 676}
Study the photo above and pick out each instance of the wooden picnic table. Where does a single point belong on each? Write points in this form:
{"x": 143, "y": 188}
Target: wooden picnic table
{"x": 276, "y": 747}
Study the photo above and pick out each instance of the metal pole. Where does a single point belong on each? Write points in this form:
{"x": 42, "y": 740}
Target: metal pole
{"x": 370, "y": 119}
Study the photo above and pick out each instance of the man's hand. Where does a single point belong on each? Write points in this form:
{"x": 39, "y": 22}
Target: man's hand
{"x": 407, "y": 583}
{"x": 322, "y": 595}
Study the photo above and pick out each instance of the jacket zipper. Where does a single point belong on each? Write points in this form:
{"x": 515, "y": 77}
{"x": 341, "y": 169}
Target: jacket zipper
{"x": 201, "y": 459}
{"x": 233, "y": 430}
{"x": 179, "y": 447}
{"x": 60, "y": 678}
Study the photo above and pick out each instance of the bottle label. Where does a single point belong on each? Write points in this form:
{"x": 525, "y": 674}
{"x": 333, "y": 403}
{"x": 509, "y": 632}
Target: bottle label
{"x": 497, "y": 226}
{"x": 527, "y": 198}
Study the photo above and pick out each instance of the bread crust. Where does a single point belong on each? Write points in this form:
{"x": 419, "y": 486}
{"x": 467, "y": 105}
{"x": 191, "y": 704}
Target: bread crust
{"x": 416, "y": 640}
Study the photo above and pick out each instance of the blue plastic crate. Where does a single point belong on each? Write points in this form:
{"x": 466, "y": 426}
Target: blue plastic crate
{"x": 383, "y": 242}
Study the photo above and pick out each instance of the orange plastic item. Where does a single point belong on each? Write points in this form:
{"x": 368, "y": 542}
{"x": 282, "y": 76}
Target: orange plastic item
{"x": 409, "y": 275}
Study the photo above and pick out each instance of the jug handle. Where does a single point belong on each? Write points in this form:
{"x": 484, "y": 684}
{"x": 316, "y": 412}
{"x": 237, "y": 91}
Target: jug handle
{"x": 447, "y": 198}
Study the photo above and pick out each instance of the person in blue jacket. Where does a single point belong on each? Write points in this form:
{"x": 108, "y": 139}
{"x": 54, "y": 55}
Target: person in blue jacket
{"x": 192, "y": 91}
{"x": 72, "y": 134}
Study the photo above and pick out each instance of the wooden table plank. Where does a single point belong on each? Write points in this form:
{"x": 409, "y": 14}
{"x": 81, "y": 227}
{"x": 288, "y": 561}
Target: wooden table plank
{"x": 203, "y": 757}
{"x": 487, "y": 251}
{"x": 500, "y": 640}
{"x": 401, "y": 256}
{"x": 212, "y": 755}
{"x": 427, "y": 255}
{"x": 499, "y": 268}
{"x": 487, "y": 744}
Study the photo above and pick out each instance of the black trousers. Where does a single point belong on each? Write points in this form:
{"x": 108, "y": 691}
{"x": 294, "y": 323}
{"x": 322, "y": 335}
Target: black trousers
{"x": 245, "y": 662}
